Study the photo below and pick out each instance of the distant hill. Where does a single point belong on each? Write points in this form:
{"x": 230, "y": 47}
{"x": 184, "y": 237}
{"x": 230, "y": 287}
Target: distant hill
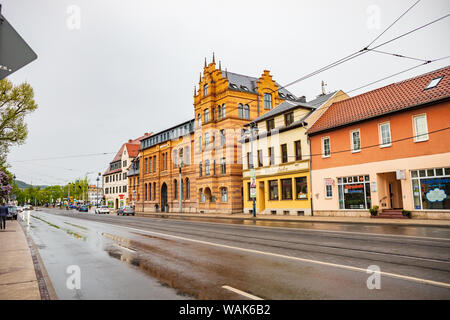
{"x": 24, "y": 185}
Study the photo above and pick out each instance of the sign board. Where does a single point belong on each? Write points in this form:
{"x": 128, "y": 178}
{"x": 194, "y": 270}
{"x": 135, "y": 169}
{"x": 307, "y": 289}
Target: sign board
{"x": 252, "y": 192}
{"x": 329, "y": 181}
{"x": 121, "y": 196}
{"x": 400, "y": 174}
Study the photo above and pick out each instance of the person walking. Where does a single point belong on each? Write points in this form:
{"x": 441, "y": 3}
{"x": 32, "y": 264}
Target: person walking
{"x": 3, "y": 214}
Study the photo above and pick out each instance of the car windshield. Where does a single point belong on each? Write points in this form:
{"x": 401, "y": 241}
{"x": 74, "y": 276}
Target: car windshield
{"x": 12, "y": 209}
{"x": 104, "y": 207}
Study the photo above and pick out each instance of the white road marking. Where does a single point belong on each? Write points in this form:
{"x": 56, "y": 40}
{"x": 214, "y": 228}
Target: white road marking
{"x": 242, "y": 293}
{"x": 329, "y": 264}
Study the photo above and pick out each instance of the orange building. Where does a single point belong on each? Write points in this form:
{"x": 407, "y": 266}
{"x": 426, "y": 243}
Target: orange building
{"x": 389, "y": 147}
{"x": 211, "y": 174}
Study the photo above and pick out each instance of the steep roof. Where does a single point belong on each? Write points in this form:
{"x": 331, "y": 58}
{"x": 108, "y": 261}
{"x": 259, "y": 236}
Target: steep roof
{"x": 321, "y": 99}
{"x": 250, "y": 82}
{"x": 281, "y": 108}
{"x": 391, "y": 98}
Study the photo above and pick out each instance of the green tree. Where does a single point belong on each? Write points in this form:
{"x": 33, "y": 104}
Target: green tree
{"x": 15, "y": 103}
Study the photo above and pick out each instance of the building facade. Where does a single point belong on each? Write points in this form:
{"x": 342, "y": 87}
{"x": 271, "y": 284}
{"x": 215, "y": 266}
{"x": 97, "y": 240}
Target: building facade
{"x": 95, "y": 195}
{"x": 115, "y": 181}
{"x": 208, "y": 145}
{"x": 389, "y": 147}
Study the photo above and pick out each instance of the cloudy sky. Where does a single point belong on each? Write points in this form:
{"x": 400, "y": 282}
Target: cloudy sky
{"x": 110, "y": 70}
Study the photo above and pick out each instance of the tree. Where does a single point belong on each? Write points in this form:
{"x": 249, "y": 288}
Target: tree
{"x": 15, "y": 103}
{"x": 5, "y": 184}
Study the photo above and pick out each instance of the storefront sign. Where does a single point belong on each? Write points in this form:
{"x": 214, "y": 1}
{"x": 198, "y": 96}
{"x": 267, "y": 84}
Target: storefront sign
{"x": 436, "y": 195}
{"x": 400, "y": 174}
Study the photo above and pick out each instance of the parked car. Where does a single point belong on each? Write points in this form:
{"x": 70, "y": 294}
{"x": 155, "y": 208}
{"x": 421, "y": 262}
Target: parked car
{"x": 83, "y": 209}
{"x": 102, "y": 209}
{"x": 127, "y": 210}
{"x": 19, "y": 209}
{"x": 27, "y": 207}
{"x": 12, "y": 212}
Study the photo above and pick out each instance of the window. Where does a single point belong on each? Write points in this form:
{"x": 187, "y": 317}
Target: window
{"x": 286, "y": 189}
{"x": 267, "y": 101}
{"x": 301, "y": 188}
{"x": 175, "y": 158}
{"x": 188, "y": 189}
{"x": 385, "y": 135}
{"x": 206, "y": 115}
{"x": 271, "y": 156}
{"x": 298, "y": 150}
{"x": 214, "y": 167}
{"x": 199, "y": 144}
{"x": 154, "y": 164}
{"x": 288, "y": 118}
{"x": 223, "y": 113}
{"x": 206, "y": 140}
{"x": 328, "y": 191}
{"x": 420, "y": 128}
{"x": 249, "y": 198}
{"x": 188, "y": 155}
{"x": 199, "y": 120}
{"x": 356, "y": 140}
{"x": 246, "y": 112}
{"x": 273, "y": 189}
{"x": 150, "y": 165}
{"x": 124, "y": 175}
{"x": 270, "y": 124}
{"x": 213, "y": 114}
{"x": 124, "y": 163}
{"x": 180, "y": 154}
{"x": 202, "y": 196}
{"x": 260, "y": 158}
{"x": 354, "y": 192}
{"x": 146, "y": 193}
{"x": 223, "y": 166}
{"x": 222, "y": 138}
{"x": 219, "y": 112}
{"x": 149, "y": 191}
{"x": 163, "y": 161}
{"x": 326, "y": 147}
{"x": 284, "y": 155}
{"x": 433, "y": 191}
{"x": 154, "y": 190}
{"x": 224, "y": 194}
{"x": 434, "y": 83}
{"x": 200, "y": 167}
{"x": 240, "y": 111}
{"x": 249, "y": 160}
{"x": 175, "y": 189}
{"x": 207, "y": 168}
{"x": 205, "y": 90}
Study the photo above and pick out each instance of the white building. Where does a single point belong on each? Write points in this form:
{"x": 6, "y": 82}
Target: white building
{"x": 115, "y": 181}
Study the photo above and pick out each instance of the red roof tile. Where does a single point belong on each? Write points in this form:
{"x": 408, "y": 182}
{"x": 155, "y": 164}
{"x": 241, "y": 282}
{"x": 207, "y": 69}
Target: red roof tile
{"x": 391, "y": 98}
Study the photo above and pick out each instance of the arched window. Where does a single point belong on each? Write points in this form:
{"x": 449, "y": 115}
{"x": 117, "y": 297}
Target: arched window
{"x": 149, "y": 191}
{"x": 240, "y": 111}
{"x": 224, "y": 194}
{"x": 188, "y": 189}
{"x": 146, "y": 197}
{"x": 175, "y": 191}
{"x": 246, "y": 112}
{"x": 202, "y": 196}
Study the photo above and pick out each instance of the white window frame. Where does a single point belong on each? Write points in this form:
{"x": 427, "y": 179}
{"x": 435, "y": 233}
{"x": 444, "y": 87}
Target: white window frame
{"x": 352, "y": 142}
{"x": 380, "y": 134}
{"x": 323, "y": 147}
{"x": 326, "y": 193}
{"x": 416, "y": 137}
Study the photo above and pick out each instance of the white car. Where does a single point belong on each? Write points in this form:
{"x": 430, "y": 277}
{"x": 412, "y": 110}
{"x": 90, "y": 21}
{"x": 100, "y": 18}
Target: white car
{"x": 102, "y": 209}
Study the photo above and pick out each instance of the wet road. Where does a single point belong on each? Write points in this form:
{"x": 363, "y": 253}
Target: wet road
{"x": 172, "y": 258}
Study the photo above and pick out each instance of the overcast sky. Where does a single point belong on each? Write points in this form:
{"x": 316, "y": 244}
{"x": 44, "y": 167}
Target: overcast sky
{"x": 128, "y": 67}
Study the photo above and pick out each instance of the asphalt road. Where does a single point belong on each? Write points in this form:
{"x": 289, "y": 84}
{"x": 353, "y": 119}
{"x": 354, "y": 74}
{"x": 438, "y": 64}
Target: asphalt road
{"x": 154, "y": 258}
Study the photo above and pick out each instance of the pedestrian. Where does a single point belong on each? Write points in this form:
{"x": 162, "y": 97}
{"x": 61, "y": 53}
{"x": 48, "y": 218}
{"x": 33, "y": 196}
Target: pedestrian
{"x": 3, "y": 214}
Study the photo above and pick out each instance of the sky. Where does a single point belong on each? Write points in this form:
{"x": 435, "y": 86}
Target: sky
{"x": 111, "y": 70}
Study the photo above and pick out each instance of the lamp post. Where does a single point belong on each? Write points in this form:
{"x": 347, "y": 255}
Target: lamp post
{"x": 180, "y": 187}
{"x": 96, "y": 198}
{"x": 252, "y": 167}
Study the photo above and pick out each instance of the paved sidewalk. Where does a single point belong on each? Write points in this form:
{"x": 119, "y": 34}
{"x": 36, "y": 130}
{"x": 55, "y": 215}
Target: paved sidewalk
{"x": 17, "y": 274}
{"x": 280, "y": 218}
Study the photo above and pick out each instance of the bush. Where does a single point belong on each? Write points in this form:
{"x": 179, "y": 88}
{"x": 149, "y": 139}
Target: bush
{"x": 407, "y": 213}
{"x": 374, "y": 210}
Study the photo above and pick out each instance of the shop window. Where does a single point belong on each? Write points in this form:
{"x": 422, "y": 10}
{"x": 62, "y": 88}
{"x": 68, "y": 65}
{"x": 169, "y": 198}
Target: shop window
{"x": 354, "y": 192}
{"x": 301, "y": 188}
{"x": 224, "y": 194}
{"x": 433, "y": 191}
{"x": 286, "y": 189}
{"x": 273, "y": 189}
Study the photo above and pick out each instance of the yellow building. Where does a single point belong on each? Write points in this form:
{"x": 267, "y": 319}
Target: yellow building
{"x": 278, "y": 152}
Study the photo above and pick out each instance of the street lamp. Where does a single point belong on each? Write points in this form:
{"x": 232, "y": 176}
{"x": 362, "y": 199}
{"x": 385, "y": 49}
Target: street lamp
{"x": 180, "y": 187}
{"x": 98, "y": 179}
{"x": 252, "y": 167}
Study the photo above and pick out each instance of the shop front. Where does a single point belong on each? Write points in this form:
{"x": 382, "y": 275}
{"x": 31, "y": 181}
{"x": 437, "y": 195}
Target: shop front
{"x": 431, "y": 189}
{"x": 354, "y": 192}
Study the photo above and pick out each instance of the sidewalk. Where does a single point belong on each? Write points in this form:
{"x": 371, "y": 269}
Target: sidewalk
{"x": 280, "y": 218}
{"x": 18, "y": 279}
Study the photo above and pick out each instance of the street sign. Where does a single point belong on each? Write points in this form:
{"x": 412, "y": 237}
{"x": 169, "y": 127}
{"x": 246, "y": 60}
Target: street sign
{"x": 14, "y": 51}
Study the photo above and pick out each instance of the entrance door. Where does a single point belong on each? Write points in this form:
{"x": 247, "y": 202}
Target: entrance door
{"x": 117, "y": 204}
{"x": 163, "y": 197}
{"x": 261, "y": 199}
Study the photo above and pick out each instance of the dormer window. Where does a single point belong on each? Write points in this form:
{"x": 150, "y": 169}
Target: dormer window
{"x": 233, "y": 86}
{"x": 282, "y": 95}
{"x": 244, "y": 88}
{"x": 205, "y": 90}
{"x": 290, "y": 96}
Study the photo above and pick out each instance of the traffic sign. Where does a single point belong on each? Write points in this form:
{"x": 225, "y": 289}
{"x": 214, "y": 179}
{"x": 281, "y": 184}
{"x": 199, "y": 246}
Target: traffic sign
{"x": 14, "y": 51}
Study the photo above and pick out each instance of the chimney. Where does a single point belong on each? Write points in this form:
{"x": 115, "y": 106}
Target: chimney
{"x": 129, "y": 140}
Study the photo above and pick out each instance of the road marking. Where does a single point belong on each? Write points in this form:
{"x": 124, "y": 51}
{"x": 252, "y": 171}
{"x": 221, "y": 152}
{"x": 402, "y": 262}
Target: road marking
{"x": 125, "y": 248}
{"x": 312, "y": 230}
{"x": 328, "y": 264}
{"x": 242, "y": 293}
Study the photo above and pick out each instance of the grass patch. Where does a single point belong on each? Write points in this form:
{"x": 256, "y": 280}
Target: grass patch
{"x": 74, "y": 225}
